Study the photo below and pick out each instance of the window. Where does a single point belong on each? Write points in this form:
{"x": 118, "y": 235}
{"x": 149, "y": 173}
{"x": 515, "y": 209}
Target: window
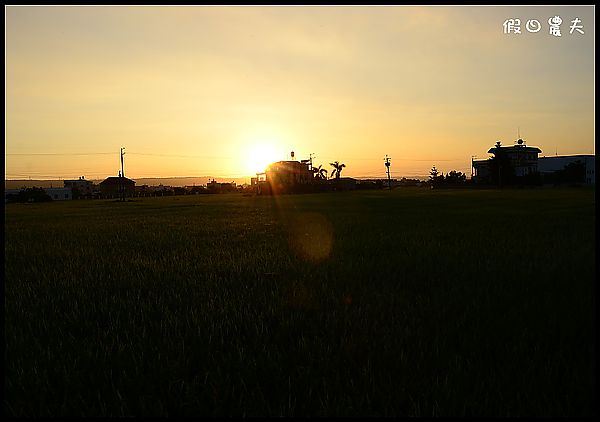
{"x": 66, "y": 196}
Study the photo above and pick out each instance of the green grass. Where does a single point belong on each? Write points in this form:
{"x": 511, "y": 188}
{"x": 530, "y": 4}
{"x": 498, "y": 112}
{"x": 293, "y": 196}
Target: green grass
{"x": 408, "y": 303}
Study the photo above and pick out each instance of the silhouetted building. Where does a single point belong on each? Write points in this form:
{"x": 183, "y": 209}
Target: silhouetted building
{"x": 549, "y": 165}
{"x": 111, "y": 186}
{"x": 522, "y": 159}
{"x": 285, "y": 177}
{"x": 142, "y": 190}
{"x": 342, "y": 183}
{"x": 59, "y": 194}
{"x": 80, "y": 188}
{"x": 217, "y": 187}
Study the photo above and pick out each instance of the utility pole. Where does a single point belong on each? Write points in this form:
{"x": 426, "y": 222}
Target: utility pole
{"x": 388, "y": 164}
{"x": 122, "y": 176}
{"x": 472, "y": 172}
{"x": 310, "y": 157}
{"x": 122, "y": 154}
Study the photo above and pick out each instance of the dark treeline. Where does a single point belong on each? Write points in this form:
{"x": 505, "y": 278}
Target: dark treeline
{"x": 29, "y": 195}
{"x": 451, "y": 179}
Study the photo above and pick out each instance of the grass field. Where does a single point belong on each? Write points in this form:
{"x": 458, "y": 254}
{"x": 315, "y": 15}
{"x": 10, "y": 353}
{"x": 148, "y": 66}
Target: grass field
{"x": 408, "y": 303}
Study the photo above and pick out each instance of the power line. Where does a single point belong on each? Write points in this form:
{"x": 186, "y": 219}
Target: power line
{"x": 113, "y": 153}
{"x": 26, "y": 173}
{"x": 202, "y": 156}
{"x": 60, "y": 153}
{"x": 179, "y": 155}
{"x": 397, "y": 159}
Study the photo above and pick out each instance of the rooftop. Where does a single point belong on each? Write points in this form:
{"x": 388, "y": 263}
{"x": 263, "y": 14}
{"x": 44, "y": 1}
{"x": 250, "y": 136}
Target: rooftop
{"x": 511, "y": 148}
{"x": 116, "y": 180}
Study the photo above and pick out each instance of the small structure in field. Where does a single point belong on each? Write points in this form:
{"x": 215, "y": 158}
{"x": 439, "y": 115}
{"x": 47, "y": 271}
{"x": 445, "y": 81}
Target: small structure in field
{"x": 111, "y": 187}
{"x": 285, "y": 177}
{"x": 80, "y": 188}
{"x": 59, "y": 194}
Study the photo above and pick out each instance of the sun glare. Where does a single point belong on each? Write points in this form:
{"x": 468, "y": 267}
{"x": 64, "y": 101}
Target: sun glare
{"x": 260, "y": 156}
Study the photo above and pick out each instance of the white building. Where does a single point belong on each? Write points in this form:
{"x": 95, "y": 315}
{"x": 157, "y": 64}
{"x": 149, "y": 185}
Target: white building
{"x": 59, "y": 194}
{"x": 555, "y": 163}
{"x": 84, "y": 188}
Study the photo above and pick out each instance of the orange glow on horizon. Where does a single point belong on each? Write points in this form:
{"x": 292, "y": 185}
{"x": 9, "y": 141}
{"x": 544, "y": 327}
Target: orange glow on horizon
{"x": 225, "y": 91}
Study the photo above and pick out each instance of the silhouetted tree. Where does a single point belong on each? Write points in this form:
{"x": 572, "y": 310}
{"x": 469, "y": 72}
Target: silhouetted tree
{"x": 319, "y": 173}
{"x": 501, "y": 169}
{"x": 433, "y": 173}
{"x": 455, "y": 178}
{"x": 337, "y": 169}
{"x": 572, "y": 173}
{"x": 30, "y": 195}
{"x": 435, "y": 178}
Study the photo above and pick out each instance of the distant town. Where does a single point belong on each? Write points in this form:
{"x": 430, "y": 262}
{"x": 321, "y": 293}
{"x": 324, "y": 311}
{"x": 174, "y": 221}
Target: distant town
{"x": 512, "y": 165}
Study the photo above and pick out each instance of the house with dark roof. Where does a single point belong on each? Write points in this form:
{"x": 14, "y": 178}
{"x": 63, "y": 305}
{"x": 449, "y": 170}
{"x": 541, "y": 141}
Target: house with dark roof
{"x": 111, "y": 186}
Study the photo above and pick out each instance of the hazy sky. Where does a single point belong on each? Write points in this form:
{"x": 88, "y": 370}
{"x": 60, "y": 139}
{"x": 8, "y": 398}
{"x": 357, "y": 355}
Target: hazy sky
{"x": 195, "y": 91}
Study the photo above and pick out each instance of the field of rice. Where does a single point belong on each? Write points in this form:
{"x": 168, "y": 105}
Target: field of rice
{"x": 409, "y": 302}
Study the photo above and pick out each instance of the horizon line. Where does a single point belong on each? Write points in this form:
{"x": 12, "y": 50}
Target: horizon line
{"x": 192, "y": 177}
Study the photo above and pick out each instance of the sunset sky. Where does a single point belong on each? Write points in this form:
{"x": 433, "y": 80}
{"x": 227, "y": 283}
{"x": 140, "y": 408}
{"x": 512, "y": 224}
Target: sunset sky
{"x": 213, "y": 91}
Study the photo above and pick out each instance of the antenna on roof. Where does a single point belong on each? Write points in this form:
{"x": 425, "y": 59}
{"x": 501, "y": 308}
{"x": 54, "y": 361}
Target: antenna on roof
{"x": 519, "y": 140}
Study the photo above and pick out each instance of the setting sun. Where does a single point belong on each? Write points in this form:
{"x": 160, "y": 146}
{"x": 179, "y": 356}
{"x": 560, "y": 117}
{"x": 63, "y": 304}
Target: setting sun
{"x": 300, "y": 210}
{"x": 260, "y": 156}
{"x": 334, "y": 82}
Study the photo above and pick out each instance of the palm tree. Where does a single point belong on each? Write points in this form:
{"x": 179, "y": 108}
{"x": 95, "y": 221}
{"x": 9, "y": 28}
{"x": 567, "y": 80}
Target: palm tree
{"x": 337, "y": 169}
{"x": 319, "y": 172}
